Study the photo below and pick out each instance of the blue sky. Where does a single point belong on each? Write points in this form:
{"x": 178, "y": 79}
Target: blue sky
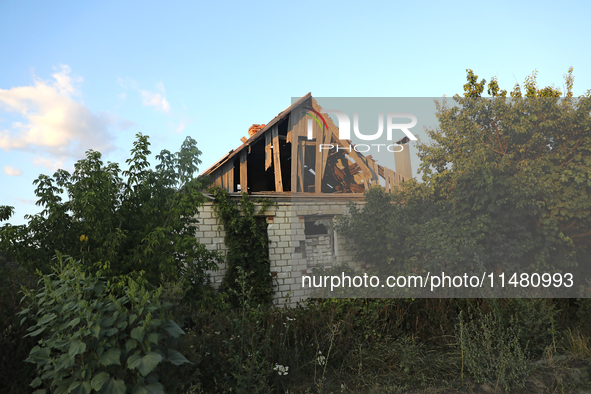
{"x": 90, "y": 75}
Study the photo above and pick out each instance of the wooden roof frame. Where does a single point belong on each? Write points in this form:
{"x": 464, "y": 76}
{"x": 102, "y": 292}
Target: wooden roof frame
{"x": 363, "y": 171}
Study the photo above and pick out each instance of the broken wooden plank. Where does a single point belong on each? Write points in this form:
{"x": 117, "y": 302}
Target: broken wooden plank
{"x": 276, "y": 159}
{"x": 390, "y": 175}
{"x": 268, "y": 155}
{"x": 377, "y": 176}
{"x": 243, "y": 172}
{"x": 293, "y": 137}
{"x": 322, "y": 138}
{"x": 350, "y": 151}
{"x": 319, "y": 163}
{"x": 301, "y": 164}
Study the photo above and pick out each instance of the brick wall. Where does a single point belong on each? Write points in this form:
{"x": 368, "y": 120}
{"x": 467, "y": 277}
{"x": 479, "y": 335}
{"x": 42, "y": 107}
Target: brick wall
{"x": 292, "y": 252}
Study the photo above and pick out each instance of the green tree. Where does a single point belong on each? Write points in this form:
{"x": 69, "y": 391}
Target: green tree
{"x": 520, "y": 167}
{"x": 506, "y": 181}
{"x": 139, "y": 222}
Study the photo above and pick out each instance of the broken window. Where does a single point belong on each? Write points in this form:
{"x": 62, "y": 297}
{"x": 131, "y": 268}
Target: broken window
{"x": 320, "y": 250}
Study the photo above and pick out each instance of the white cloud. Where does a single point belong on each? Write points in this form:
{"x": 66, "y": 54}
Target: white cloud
{"x": 12, "y": 171}
{"x": 155, "y": 100}
{"x": 54, "y": 123}
{"x": 180, "y": 128}
{"x": 150, "y": 98}
{"x": 49, "y": 163}
{"x": 26, "y": 201}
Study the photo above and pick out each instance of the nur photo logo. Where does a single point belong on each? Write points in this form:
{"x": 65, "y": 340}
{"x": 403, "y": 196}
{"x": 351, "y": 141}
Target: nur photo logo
{"x": 344, "y": 127}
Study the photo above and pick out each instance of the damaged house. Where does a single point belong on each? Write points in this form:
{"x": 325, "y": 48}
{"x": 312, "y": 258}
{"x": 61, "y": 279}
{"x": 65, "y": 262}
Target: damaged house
{"x": 298, "y": 161}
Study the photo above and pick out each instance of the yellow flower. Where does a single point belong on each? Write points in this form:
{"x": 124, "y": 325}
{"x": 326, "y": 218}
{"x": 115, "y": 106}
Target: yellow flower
{"x": 83, "y": 238}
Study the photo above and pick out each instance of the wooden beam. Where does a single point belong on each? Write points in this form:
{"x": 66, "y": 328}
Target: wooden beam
{"x": 392, "y": 180}
{"x": 230, "y": 174}
{"x": 387, "y": 178}
{"x": 294, "y": 154}
{"x": 243, "y": 172}
{"x": 277, "y": 159}
{"x": 268, "y": 155}
{"x": 227, "y": 176}
{"x": 217, "y": 179}
{"x": 377, "y": 175}
{"x": 301, "y": 164}
{"x": 319, "y": 163}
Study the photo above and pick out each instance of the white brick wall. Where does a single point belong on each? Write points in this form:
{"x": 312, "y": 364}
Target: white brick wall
{"x": 286, "y": 228}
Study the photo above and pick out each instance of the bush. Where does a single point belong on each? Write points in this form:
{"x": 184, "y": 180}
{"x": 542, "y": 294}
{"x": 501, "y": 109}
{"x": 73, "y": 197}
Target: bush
{"x": 92, "y": 339}
{"x": 138, "y": 221}
{"x": 237, "y": 344}
{"x": 491, "y": 350}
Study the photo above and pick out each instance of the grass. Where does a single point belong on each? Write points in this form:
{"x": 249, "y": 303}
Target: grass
{"x": 394, "y": 346}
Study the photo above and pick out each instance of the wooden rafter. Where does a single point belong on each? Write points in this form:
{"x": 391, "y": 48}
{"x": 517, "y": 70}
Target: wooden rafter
{"x": 276, "y": 159}
{"x": 243, "y": 172}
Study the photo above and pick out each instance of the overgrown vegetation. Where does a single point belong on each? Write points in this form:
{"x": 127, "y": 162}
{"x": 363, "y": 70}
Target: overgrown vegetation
{"x": 138, "y": 222}
{"x": 103, "y": 319}
{"x": 248, "y": 246}
{"x": 92, "y": 340}
{"x": 506, "y": 185}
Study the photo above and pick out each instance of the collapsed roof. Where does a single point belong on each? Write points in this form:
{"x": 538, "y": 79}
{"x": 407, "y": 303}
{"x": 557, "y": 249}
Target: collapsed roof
{"x": 264, "y": 162}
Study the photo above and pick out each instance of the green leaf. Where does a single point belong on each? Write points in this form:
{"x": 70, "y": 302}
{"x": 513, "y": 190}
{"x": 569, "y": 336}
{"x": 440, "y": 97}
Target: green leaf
{"x": 65, "y": 361}
{"x": 173, "y": 329}
{"x": 77, "y": 347}
{"x": 138, "y": 333}
{"x": 36, "y": 382}
{"x": 108, "y": 321}
{"x": 152, "y": 388}
{"x": 40, "y": 391}
{"x": 130, "y": 345}
{"x": 79, "y": 388}
{"x": 99, "y": 380}
{"x": 99, "y": 287}
{"x": 111, "y": 356}
{"x": 144, "y": 364}
{"x": 111, "y": 331}
{"x": 113, "y": 387}
{"x": 176, "y": 357}
{"x": 74, "y": 322}
{"x": 36, "y": 332}
{"x": 95, "y": 330}
{"x": 46, "y": 319}
{"x": 153, "y": 338}
{"x": 38, "y": 354}
{"x": 63, "y": 389}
